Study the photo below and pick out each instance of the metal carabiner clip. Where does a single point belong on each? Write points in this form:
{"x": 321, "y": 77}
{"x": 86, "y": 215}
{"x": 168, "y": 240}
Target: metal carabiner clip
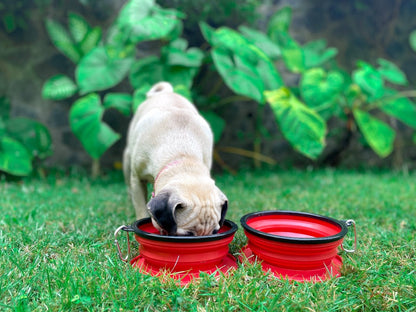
{"x": 348, "y": 223}
{"x": 124, "y": 228}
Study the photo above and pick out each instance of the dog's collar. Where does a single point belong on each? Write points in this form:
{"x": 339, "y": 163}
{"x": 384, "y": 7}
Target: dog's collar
{"x": 169, "y": 165}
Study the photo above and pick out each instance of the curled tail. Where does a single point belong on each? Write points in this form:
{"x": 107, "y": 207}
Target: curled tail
{"x": 158, "y": 88}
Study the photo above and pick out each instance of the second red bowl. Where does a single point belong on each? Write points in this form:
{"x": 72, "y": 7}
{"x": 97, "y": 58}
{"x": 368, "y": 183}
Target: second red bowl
{"x": 298, "y": 245}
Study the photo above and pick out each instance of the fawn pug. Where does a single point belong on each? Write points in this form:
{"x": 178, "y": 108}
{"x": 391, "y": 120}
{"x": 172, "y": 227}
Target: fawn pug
{"x": 170, "y": 144}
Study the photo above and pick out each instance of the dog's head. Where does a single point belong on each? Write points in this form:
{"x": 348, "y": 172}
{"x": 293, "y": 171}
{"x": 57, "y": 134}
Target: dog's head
{"x": 194, "y": 209}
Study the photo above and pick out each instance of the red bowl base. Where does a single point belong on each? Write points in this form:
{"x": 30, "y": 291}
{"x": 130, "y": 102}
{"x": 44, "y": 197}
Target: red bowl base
{"x": 316, "y": 275}
{"x": 227, "y": 264}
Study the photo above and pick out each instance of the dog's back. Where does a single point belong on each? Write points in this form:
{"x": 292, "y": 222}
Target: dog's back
{"x": 167, "y": 123}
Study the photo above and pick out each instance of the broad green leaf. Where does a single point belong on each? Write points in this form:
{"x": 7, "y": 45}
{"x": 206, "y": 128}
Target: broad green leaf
{"x": 292, "y": 52}
{"x": 176, "y": 32}
{"x": 85, "y": 121}
{"x": 120, "y": 52}
{"x": 78, "y": 26}
{"x": 318, "y": 87}
{"x": 178, "y": 44}
{"x": 264, "y": 43}
{"x": 120, "y": 101}
{"x": 59, "y": 87}
{"x": 269, "y": 75}
{"x": 155, "y": 26}
{"x": 391, "y": 72}
{"x": 4, "y": 108}
{"x": 316, "y": 53}
{"x": 228, "y": 39}
{"x": 62, "y": 40}
{"x": 157, "y": 9}
{"x": 14, "y": 158}
{"x": 402, "y": 109}
{"x": 184, "y": 91}
{"x": 412, "y": 40}
{"x": 216, "y": 122}
{"x": 133, "y": 11}
{"x": 139, "y": 95}
{"x": 378, "y": 134}
{"x": 244, "y": 67}
{"x": 98, "y": 70}
{"x": 302, "y": 127}
{"x": 179, "y": 75}
{"x": 239, "y": 79}
{"x": 279, "y": 22}
{"x": 369, "y": 80}
{"x": 315, "y": 45}
{"x": 208, "y": 32}
{"x": 188, "y": 58}
{"x": 33, "y": 135}
{"x": 176, "y": 54}
{"x": 117, "y": 36}
{"x": 91, "y": 40}
{"x": 177, "y": 65}
{"x": 181, "y": 64}
{"x": 148, "y": 70}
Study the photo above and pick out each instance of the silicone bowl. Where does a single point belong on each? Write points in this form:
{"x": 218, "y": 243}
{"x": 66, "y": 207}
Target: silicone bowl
{"x": 183, "y": 257}
{"x": 295, "y": 245}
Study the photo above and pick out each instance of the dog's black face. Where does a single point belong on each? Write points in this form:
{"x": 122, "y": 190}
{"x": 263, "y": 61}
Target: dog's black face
{"x": 174, "y": 215}
{"x": 162, "y": 212}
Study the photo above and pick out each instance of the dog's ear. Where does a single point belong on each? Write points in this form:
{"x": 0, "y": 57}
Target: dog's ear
{"x": 224, "y": 209}
{"x": 163, "y": 212}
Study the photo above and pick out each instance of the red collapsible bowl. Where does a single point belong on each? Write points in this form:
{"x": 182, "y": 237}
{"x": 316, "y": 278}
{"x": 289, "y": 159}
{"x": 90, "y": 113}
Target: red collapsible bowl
{"x": 294, "y": 245}
{"x": 183, "y": 257}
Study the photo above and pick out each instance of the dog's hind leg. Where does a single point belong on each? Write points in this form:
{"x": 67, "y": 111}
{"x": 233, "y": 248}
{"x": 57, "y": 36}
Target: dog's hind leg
{"x": 139, "y": 196}
{"x": 127, "y": 170}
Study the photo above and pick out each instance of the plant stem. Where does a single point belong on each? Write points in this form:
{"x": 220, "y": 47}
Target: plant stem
{"x": 231, "y": 99}
{"x": 242, "y": 152}
{"x": 222, "y": 163}
{"x": 257, "y": 137}
{"x": 95, "y": 168}
{"x": 215, "y": 89}
{"x": 399, "y": 95}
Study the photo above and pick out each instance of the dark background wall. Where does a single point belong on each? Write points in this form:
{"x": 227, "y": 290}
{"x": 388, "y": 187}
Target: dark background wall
{"x": 363, "y": 30}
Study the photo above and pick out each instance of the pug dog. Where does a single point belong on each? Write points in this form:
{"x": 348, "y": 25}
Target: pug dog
{"x": 170, "y": 145}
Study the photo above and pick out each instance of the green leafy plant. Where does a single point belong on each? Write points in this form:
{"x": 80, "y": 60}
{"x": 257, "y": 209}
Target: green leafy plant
{"x": 80, "y": 39}
{"x": 103, "y": 63}
{"x": 301, "y": 125}
{"x": 249, "y": 71}
{"x": 370, "y": 100}
{"x": 177, "y": 64}
{"x": 367, "y": 98}
{"x": 246, "y": 59}
{"x": 22, "y": 141}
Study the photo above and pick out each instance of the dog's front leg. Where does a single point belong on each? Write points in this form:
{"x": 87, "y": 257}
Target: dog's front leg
{"x": 139, "y": 196}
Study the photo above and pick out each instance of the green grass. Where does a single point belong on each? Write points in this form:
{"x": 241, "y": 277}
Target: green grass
{"x": 57, "y": 251}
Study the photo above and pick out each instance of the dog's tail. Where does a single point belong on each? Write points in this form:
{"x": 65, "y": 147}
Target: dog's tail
{"x": 160, "y": 87}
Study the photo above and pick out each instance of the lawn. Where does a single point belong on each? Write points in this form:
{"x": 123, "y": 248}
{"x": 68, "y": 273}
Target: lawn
{"x": 57, "y": 251}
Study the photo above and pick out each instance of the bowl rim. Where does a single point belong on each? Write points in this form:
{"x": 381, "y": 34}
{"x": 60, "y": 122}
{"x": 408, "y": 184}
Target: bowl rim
{"x": 182, "y": 239}
{"x": 298, "y": 240}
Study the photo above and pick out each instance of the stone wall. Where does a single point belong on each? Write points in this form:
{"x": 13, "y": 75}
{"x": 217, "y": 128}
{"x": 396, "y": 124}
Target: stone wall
{"x": 359, "y": 29}
{"x": 28, "y": 59}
